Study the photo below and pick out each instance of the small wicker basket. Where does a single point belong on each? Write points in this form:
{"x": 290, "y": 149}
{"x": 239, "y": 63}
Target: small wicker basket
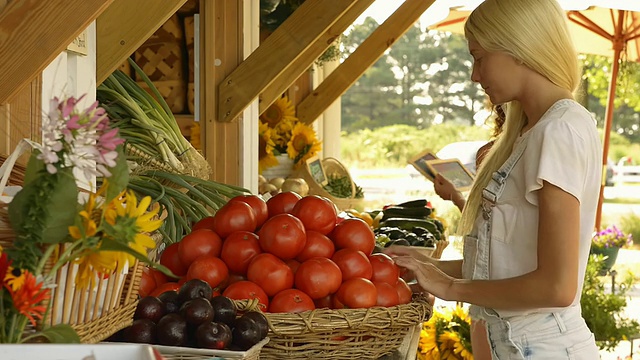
{"x": 184, "y": 353}
{"x": 332, "y": 167}
{"x": 340, "y": 334}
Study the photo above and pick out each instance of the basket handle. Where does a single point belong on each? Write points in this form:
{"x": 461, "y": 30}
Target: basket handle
{"x": 7, "y": 165}
{"x": 346, "y": 171}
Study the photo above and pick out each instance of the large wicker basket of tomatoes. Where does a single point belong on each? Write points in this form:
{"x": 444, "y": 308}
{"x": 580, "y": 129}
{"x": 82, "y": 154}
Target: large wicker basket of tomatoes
{"x": 313, "y": 273}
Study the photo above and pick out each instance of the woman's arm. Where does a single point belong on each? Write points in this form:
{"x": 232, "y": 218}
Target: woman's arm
{"x": 553, "y": 284}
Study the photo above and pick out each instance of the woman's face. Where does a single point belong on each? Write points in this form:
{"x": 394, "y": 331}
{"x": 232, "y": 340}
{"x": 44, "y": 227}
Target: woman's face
{"x": 497, "y": 72}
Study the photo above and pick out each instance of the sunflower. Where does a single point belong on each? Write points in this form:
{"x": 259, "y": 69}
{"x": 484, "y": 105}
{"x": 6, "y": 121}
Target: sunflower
{"x": 446, "y": 335}
{"x": 265, "y": 148}
{"x": 94, "y": 263}
{"x": 130, "y": 222}
{"x": 303, "y": 144}
{"x": 282, "y": 133}
{"x": 281, "y": 109}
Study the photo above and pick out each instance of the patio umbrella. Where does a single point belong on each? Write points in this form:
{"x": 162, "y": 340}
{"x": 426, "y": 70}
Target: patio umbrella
{"x": 610, "y": 28}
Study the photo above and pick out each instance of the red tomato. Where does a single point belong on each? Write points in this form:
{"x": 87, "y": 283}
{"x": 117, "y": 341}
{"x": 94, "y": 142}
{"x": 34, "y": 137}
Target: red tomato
{"x": 404, "y": 292}
{"x": 171, "y": 260}
{"x": 291, "y": 301}
{"x": 158, "y": 276}
{"x": 234, "y": 216}
{"x": 182, "y": 280}
{"x": 318, "y": 277}
{"x": 354, "y": 234}
{"x": 258, "y": 205}
{"x": 335, "y": 302}
{"x": 282, "y": 203}
{"x": 353, "y": 264}
{"x": 199, "y": 243}
{"x": 270, "y": 273}
{"x": 234, "y": 278}
{"x": 283, "y": 236}
{"x": 147, "y": 283}
{"x": 387, "y": 294}
{"x": 316, "y": 213}
{"x": 238, "y": 249}
{"x": 384, "y": 269}
{"x": 243, "y": 290}
{"x": 204, "y": 223}
{"x": 293, "y": 264}
{"x": 210, "y": 269}
{"x": 317, "y": 245}
{"x": 169, "y": 286}
{"x": 357, "y": 293}
{"x": 324, "y": 302}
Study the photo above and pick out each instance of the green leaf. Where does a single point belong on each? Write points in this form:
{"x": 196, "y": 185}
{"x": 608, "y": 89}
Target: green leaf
{"x": 41, "y": 209}
{"x": 119, "y": 176}
{"x": 60, "y": 334}
{"x": 35, "y": 167}
{"x": 113, "y": 245}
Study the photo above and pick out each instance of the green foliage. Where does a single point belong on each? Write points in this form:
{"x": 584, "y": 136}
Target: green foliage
{"x": 393, "y": 146}
{"x": 603, "y": 310}
{"x": 597, "y": 73}
{"x": 423, "y": 79}
{"x": 630, "y": 224}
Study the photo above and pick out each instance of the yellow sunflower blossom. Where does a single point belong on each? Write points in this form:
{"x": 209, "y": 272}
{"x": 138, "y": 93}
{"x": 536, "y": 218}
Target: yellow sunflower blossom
{"x": 94, "y": 264}
{"x": 446, "y": 335}
{"x": 303, "y": 144}
{"x": 281, "y": 109}
{"x": 265, "y": 148}
{"x": 15, "y": 278}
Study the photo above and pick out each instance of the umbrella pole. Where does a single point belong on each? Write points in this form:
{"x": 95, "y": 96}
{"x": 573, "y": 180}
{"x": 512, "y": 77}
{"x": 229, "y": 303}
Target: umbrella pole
{"x": 608, "y": 120}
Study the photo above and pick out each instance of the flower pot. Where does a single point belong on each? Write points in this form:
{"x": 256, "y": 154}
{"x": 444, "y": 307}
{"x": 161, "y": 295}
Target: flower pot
{"x": 611, "y": 254}
{"x": 282, "y": 170}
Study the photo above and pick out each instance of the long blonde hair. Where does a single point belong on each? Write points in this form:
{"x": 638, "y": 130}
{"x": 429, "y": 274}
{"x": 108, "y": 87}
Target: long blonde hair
{"x": 534, "y": 32}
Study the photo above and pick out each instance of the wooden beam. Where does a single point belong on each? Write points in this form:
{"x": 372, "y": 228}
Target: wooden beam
{"x": 284, "y": 80}
{"x": 362, "y": 58}
{"x": 34, "y": 32}
{"x": 126, "y": 25}
{"x": 221, "y": 24}
{"x": 281, "y": 48}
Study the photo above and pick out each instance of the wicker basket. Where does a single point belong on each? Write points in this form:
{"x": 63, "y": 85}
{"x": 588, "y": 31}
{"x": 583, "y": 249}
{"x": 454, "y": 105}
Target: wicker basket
{"x": 340, "y": 334}
{"x": 95, "y": 314}
{"x": 184, "y": 353}
{"x": 332, "y": 167}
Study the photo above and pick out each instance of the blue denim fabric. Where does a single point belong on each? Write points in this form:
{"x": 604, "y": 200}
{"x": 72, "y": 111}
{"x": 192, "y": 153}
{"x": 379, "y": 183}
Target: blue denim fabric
{"x": 543, "y": 336}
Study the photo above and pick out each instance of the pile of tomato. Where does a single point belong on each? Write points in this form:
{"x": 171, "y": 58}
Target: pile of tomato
{"x": 291, "y": 253}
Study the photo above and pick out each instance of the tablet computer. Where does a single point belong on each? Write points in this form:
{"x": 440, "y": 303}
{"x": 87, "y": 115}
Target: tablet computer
{"x": 419, "y": 162}
{"x": 452, "y": 170}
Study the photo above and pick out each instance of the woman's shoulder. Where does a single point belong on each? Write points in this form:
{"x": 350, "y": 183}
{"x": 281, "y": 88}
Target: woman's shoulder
{"x": 568, "y": 115}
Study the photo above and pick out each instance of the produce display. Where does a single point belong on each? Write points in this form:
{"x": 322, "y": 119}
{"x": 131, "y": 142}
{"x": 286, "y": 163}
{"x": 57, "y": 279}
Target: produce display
{"x": 196, "y": 317}
{"x": 291, "y": 253}
{"x": 412, "y": 223}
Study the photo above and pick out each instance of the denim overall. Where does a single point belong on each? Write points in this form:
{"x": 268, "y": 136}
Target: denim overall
{"x": 536, "y": 335}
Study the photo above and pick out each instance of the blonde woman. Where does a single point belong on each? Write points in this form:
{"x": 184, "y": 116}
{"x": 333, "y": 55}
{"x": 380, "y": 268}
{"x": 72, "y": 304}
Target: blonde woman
{"x": 531, "y": 211}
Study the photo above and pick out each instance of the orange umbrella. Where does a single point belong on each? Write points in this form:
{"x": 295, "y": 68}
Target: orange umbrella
{"x": 611, "y": 29}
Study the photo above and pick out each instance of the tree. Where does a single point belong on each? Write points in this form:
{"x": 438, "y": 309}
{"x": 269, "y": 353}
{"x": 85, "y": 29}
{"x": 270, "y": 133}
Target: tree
{"x": 424, "y": 78}
{"x": 597, "y": 72}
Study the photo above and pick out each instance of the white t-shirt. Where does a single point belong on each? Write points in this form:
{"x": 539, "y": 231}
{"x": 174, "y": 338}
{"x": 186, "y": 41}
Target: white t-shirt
{"x": 564, "y": 149}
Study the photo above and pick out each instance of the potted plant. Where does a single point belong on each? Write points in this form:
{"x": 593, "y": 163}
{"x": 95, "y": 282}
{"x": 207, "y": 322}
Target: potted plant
{"x": 607, "y": 243}
{"x": 603, "y": 309}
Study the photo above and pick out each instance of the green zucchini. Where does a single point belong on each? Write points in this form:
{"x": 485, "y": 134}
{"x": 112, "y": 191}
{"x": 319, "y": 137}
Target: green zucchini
{"x": 409, "y": 224}
{"x": 414, "y": 203}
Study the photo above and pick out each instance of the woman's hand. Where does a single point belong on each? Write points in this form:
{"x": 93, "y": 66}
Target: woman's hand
{"x": 429, "y": 277}
{"x": 447, "y": 191}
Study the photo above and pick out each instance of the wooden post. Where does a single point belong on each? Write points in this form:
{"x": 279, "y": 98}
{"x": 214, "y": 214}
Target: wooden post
{"x": 220, "y": 54}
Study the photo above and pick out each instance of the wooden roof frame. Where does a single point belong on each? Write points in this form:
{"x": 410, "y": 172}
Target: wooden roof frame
{"x": 32, "y": 33}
